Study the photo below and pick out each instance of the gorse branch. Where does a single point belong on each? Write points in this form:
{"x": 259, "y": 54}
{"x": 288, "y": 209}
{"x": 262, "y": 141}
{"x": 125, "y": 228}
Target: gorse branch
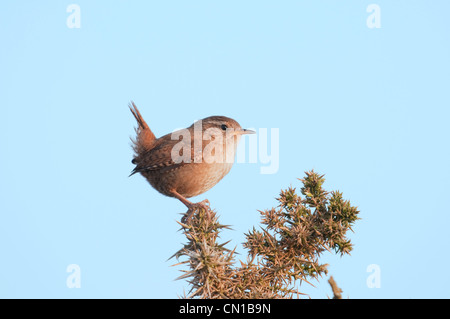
{"x": 284, "y": 250}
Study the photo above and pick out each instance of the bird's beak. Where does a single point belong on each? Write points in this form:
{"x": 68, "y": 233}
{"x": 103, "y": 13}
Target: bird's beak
{"x": 243, "y": 131}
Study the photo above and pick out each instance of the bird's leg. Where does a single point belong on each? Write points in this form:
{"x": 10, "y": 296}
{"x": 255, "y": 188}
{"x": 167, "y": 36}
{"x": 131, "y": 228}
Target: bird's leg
{"x": 192, "y": 207}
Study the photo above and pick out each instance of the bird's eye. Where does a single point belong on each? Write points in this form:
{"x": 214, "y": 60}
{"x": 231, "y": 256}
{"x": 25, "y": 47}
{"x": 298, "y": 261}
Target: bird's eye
{"x": 224, "y": 127}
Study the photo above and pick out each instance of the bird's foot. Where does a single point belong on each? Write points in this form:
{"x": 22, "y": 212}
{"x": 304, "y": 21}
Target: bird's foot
{"x": 192, "y": 207}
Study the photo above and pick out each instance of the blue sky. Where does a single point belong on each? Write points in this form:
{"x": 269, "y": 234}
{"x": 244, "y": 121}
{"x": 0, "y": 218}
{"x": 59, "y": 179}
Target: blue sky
{"x": 367, "y": 107}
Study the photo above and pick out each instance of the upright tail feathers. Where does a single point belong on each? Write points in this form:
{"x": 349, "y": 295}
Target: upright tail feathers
{"x": 144, "y": 136}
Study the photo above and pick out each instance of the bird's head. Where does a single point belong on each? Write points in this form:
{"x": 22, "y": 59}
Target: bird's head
{"x": 221, "y": 132}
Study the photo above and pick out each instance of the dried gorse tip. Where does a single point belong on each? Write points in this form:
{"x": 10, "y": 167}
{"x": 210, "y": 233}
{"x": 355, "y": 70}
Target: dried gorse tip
{"x": 283, "y": 252}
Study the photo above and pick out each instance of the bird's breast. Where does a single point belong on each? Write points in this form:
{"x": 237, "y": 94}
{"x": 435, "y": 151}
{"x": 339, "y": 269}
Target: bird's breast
{"x": 196, "y": 179}
{"x": 188, "y": 180}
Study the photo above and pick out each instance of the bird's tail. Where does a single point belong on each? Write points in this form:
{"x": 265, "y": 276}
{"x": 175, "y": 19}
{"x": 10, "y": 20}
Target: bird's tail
{"x": 144, "y": 136}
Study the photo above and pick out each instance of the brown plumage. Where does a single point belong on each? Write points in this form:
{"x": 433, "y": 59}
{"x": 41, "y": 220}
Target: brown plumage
{"x": 188, "y": 162}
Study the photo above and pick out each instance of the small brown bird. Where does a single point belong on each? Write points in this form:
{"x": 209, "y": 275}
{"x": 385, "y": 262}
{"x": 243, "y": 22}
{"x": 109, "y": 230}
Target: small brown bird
{"x": 188, "y": 166}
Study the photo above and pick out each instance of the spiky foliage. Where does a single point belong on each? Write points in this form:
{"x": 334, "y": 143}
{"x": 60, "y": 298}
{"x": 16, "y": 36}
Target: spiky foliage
{"x": 209, "y": 262}
{"x": 285, "y": 250}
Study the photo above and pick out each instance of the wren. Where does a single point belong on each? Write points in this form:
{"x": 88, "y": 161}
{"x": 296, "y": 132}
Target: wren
{"x": 187, "y": 167}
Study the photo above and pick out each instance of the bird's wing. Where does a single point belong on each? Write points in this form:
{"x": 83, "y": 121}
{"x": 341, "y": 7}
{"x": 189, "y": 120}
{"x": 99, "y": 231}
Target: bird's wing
{"x": 167, "y": 154}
